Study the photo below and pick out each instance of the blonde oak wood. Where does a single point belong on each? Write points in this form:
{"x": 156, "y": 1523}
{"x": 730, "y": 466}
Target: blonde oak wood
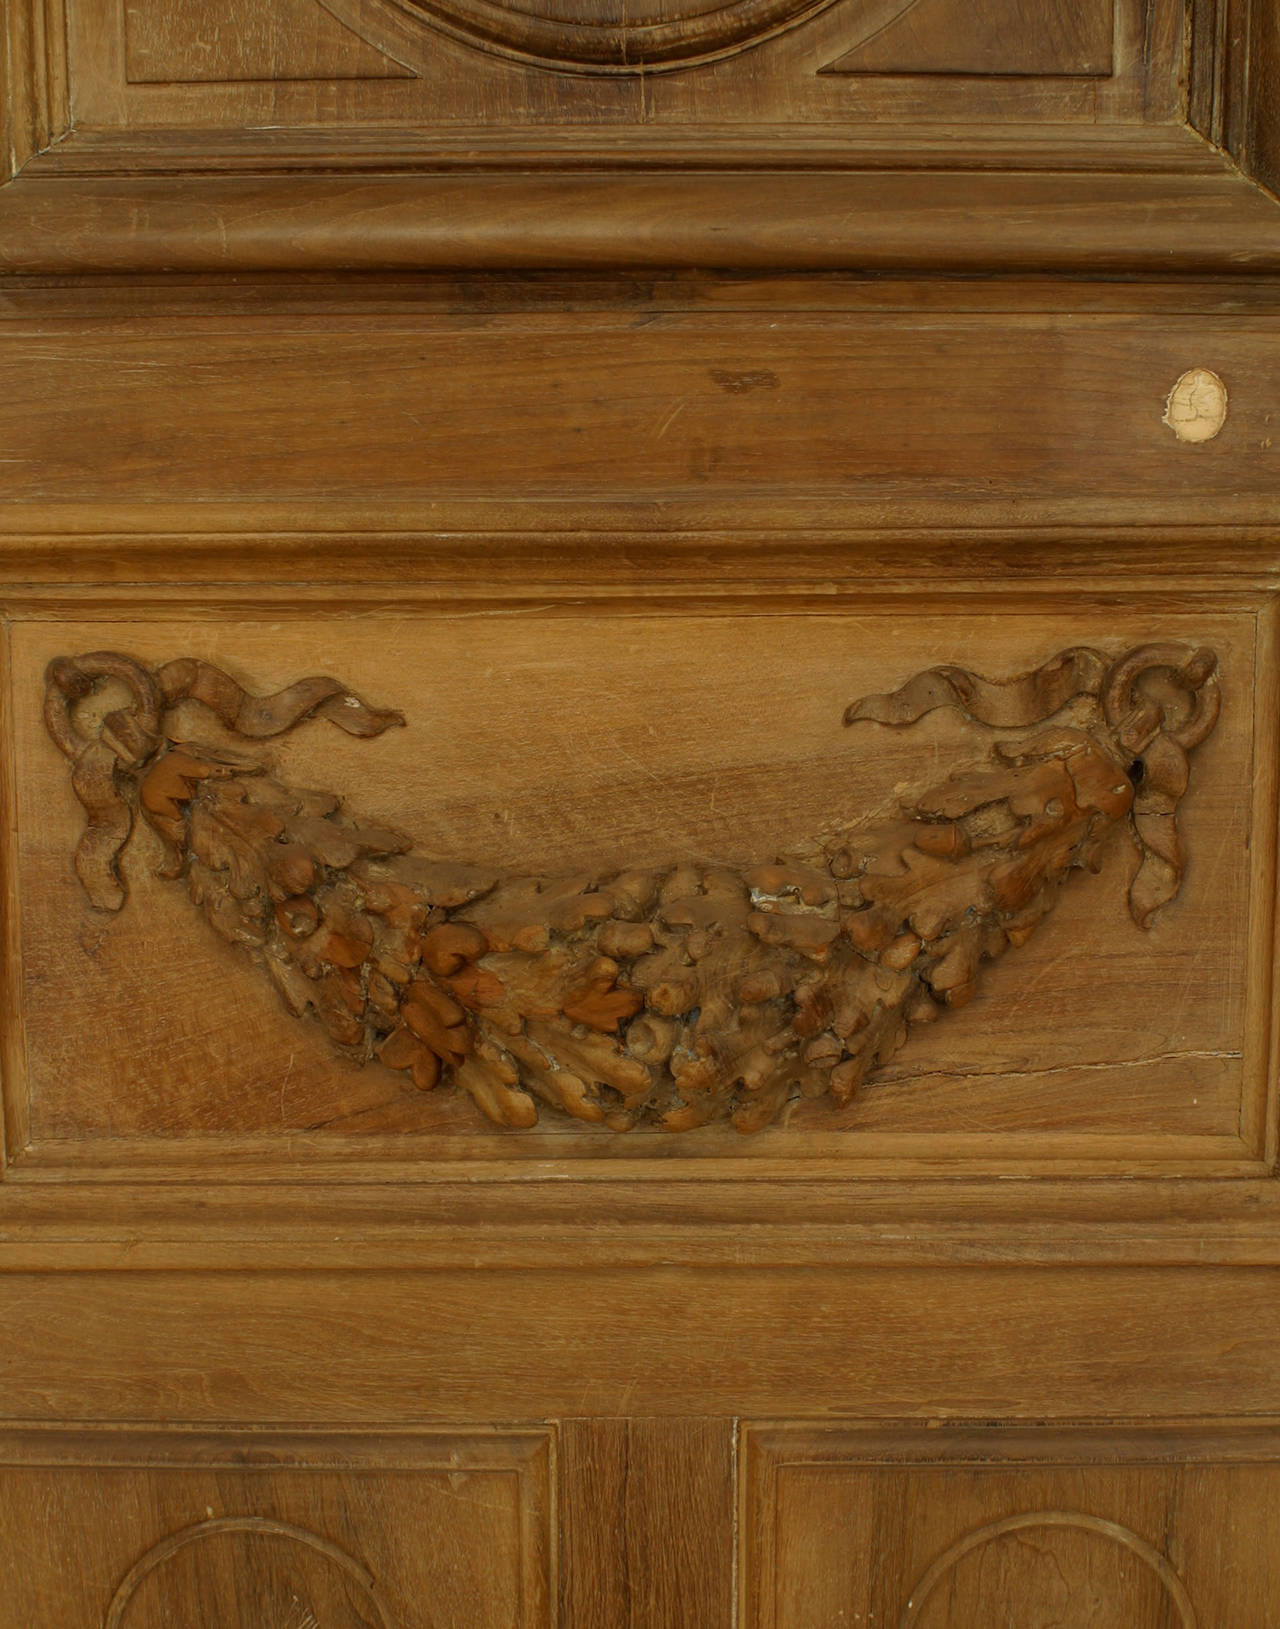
{"x": 458, "y": 1345}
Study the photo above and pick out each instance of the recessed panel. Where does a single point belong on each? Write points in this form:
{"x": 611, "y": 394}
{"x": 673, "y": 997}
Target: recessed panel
{"x": 1062, "y": 1529}
{"x": 145, "y": 1530}
{"x": 623, "y": 883}
{"x": 748, "y": 71}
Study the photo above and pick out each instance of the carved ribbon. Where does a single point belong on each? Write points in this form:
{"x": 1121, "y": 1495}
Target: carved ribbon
{"x": 668, "y": 997}
{"x": 1139, "y": 724}
{"x": 129, "y": 736}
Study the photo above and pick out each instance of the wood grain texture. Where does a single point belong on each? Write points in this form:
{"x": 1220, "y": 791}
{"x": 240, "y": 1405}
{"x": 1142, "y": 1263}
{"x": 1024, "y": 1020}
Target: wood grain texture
{"x": 974, "y": 223}
{"x": 647, "y": 1515}
{"x": 620, "y": 429}
{"x": 754, "y": 63}
{"x": 1263, "y": 140}
{"x": 1061, "y": 37}
{"x": 457, "y": 1345}
{"x": 233, "y": 41}
{"x": 135, "y": 1529}
{"x": 718, "y": 410}
{"x": 742, "y": 765}
{"x": 954, "y": 1527}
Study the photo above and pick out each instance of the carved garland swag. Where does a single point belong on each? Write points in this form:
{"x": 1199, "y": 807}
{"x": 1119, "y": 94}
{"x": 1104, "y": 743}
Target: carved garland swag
{"x": 672, "y": 997}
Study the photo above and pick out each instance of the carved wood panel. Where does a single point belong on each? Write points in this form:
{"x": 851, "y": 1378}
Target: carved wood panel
{"x": 407, "y": 1530}
{"x": 1062, "y": 1529}
{"x": 755, "y": 64}
{"x": 675, "y": 996}
{"x": 468, "y": 892}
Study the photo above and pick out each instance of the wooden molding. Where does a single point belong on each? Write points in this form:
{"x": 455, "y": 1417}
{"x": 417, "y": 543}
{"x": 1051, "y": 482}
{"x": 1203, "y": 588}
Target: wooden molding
{"x": 34, "y": 93}
{"x": 257, "y": 1505}
{"x": 1156, "y": 189}
{"x": 1088, "y": 223}
{"x": 672, "y": 997}
{"x": 1234, "y": 93}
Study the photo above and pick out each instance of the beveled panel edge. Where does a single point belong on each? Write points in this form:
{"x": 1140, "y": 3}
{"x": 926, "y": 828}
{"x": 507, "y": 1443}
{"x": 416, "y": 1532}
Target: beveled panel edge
{"x": 13, "y": 1096}
{"x": 1169, "y": 149}
{"x": 1234, "y": 82}
{"x": 35, "y": 106}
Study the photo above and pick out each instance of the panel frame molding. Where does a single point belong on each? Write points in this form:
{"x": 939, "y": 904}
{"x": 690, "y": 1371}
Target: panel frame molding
{"x": 526, "y": 1452}
{"x": 769, "y": 1447}
{"x": 886, "y": 1157}
{"x": 1166, "y": 198}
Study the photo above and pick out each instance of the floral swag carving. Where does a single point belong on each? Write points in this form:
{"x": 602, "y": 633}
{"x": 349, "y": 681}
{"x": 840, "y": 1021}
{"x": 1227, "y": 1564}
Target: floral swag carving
{"x": 667, "y": 998}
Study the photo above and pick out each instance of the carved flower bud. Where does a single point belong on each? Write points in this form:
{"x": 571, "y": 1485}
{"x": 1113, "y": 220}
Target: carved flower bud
{"x": 673, "y": 997}
{"x": 625, "y": 939}
{"x": 298, "y": 917}
{"x": 446, "y": 949}
{"x": 598, "y": 1002}
{"x": 763, "y": 985}
{"x": 825, "y": 1049}
{"x": 651, "y": 1039}
{"x": 902, "y": 952}
{"x": 867, "y": 931}
{"x": 438, "y": 1020}
{"x": 846, "y": 1077}
{"x": 291, "y": 870}
{"x": 946, "y": 841}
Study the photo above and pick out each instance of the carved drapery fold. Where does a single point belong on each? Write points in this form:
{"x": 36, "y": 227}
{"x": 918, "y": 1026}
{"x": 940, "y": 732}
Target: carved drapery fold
{"x": 669, "y": 997}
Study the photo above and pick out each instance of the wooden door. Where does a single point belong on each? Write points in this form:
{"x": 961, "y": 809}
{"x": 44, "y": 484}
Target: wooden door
{"x": 639, "y": 793}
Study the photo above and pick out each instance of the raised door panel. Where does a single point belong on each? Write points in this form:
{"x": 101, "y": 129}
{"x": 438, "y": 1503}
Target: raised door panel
{"x": 143, "y": 1529}
{"x": 948, "y": 1528}
{"x": 829, "y": 65}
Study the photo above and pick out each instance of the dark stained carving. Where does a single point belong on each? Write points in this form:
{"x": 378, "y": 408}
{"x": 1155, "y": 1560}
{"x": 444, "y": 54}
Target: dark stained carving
{"x": 669, "y": 997}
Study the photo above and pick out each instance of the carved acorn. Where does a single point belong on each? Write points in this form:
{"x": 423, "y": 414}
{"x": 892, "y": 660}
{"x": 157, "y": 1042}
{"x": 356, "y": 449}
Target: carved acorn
{"x": 670, "y": 997}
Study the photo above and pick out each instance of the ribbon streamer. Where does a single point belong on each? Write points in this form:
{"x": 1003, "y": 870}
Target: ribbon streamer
{"x": 257, "y": 718}
{"x": 109, "y": 764}
{"x": 1003, "y": 703}
{"x": 1150, "y": 746}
